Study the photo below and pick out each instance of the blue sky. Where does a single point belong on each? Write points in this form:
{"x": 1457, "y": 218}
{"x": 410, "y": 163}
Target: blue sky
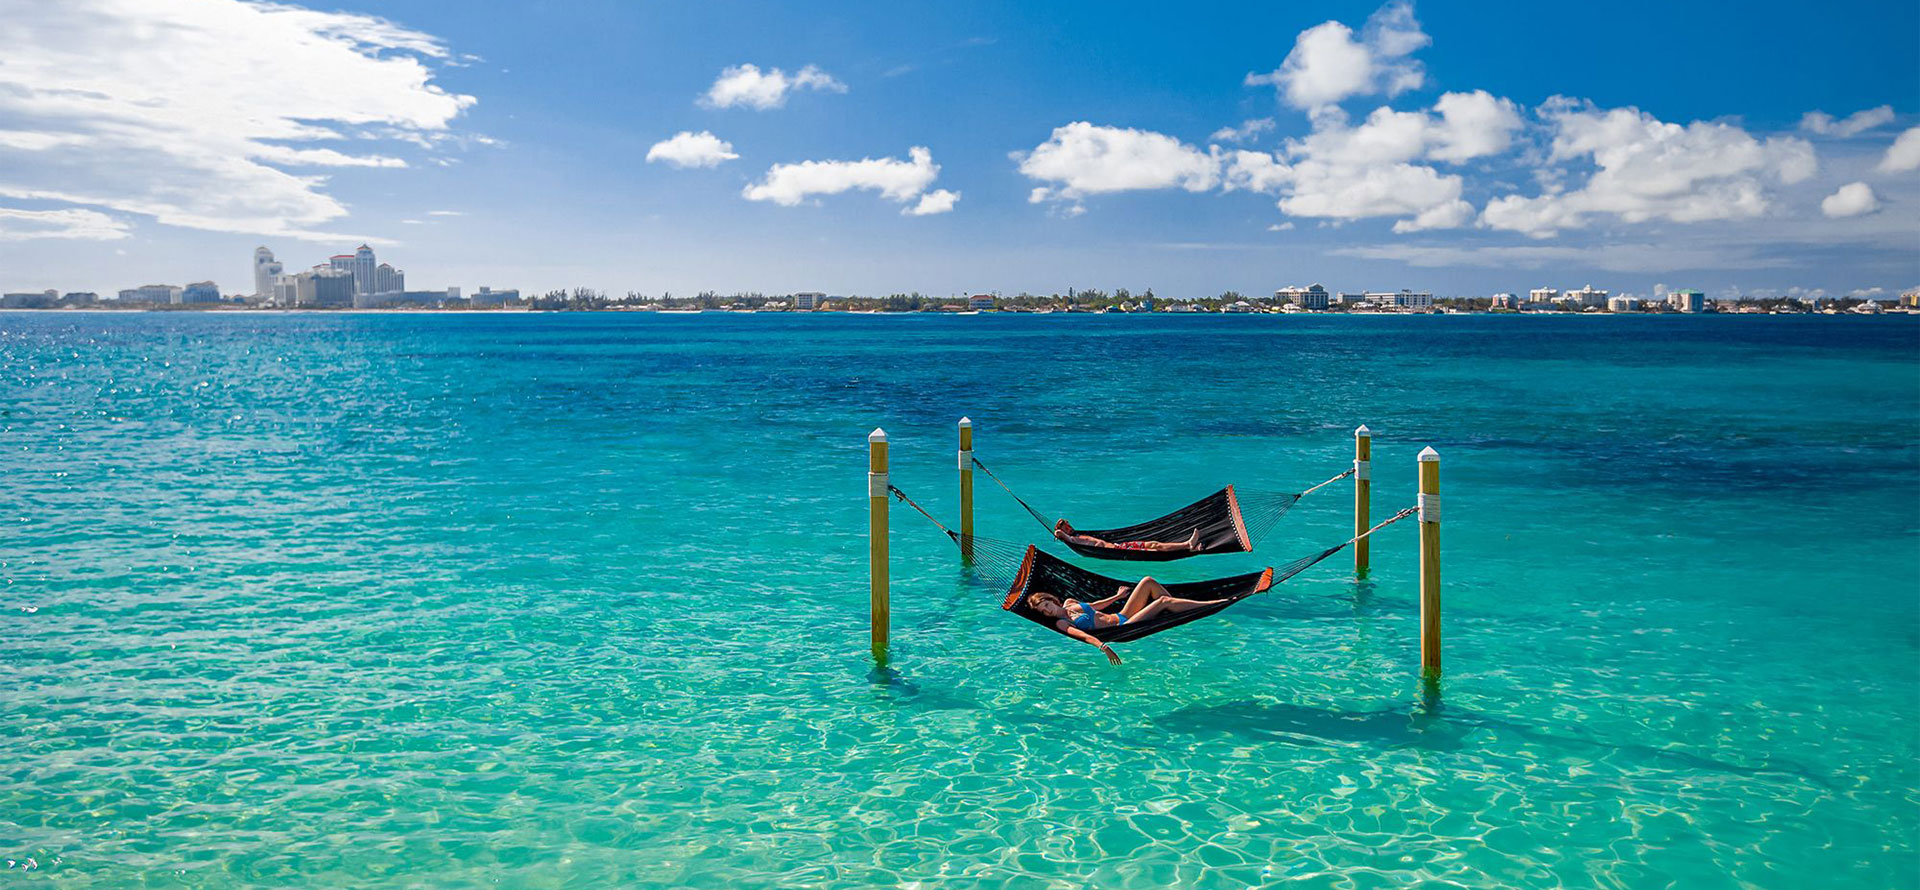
{"x": 1076, "y": 145}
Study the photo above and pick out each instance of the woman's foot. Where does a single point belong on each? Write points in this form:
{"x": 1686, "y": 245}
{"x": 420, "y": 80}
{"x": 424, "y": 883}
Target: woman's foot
{"x": 1193, "y": 541}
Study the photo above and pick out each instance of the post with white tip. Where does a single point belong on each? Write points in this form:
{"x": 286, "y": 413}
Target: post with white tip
{"x": 877, "y": 539}
{"x": 1430, "y": 563}
{"x": 1362, "y": 498}
{"x": 966, "y": 489}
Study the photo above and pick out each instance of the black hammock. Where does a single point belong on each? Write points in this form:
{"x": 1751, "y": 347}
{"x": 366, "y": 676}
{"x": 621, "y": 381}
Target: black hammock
{"x": 1042, "y": 571}
{"x": 1217, "y": 517}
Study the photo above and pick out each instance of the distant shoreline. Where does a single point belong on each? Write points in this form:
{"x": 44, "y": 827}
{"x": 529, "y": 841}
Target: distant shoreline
{"x": 95, "y": 310}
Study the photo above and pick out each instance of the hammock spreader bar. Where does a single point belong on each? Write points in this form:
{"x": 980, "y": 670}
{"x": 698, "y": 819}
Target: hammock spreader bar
{"x": 1217, "y": 517}
{"x": 1042, "y": 571}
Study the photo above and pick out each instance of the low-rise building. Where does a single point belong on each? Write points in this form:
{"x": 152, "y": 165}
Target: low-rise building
{"x": 980, "y": 302}
{"x": 808, "y": 301}
{"x": 156, "y": 293}
{"x": 1412, "y": 301}
{"x": 487, "y": 296}
{"x": 1506, "y": 301}
{"x": 1623, "y": 303}
{"x": 1588, "y": 297}
{"x": 44, "y": 299}
{"x": 1313, "y": 297}
{"x": 1542, "y": 295}
{"x": 1687, "y": 300}
{"x": 200, "y": 292}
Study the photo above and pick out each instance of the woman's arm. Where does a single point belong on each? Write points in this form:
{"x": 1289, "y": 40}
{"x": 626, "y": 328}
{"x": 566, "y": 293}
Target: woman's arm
{"x": 1103, "y": 604}
{"x": 1082, "y": 540}
{"x": 1089, "y": 639}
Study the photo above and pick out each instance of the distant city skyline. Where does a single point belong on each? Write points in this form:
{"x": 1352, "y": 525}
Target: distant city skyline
{"x": 991, "y": 147}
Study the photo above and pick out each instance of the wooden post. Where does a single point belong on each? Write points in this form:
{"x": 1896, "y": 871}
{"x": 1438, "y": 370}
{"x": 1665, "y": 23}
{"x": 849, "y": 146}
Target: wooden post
{"x": 1430, "y": 563}
{"x": 966, "y": 489}
{"x": 1362, "y": 498}
{"x": 877, "y": 539}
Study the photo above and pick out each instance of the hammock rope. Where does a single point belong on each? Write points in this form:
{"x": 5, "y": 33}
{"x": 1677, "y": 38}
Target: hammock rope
{"x": 994, "y": 559}
{"x": 1037, "y": 517}
{"x": 1228, "y": 521}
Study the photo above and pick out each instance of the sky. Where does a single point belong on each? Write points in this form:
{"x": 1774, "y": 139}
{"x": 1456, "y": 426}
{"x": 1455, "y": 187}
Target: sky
{"x": 1754, "y": 149}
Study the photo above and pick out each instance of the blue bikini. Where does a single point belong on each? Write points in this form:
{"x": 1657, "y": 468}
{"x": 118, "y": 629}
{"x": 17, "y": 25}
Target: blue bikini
{"x": 1088, "y": 619}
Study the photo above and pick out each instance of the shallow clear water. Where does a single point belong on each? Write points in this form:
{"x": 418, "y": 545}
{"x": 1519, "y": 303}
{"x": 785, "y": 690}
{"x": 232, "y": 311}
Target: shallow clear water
{"x": 384, "y": 600}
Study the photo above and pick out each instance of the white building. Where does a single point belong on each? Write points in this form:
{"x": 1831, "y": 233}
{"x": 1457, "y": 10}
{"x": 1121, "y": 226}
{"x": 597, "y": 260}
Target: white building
{"x": 360, "y": 265}
{"x": 1313, "y": 296}
{"x": 980, "y": 302}
{"x": 1587, "y": 296}
{"x": 1506, "y": 301}
{"x": 1542, "y": 294}
{"x": 30, "y": 299}
{"x": 326, "y": 285}
{"x": 265, "y": 269}
{"x": 154, "y": 293}
{"x": 1623, "y": 303}
{"x": 808, "y": 301}
{"x": 1687, "y": 300}
{"x": 363, "y": 270}
{"x": 388, "y": 280}
{"x": 200, "y": 292}
{"x": 1401, "y": 299}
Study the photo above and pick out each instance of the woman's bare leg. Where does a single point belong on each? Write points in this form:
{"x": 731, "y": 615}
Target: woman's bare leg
{"x": 1143, "y": 593}
{"x": 1170, "y": 604}
{"x": 1192, "y": 542}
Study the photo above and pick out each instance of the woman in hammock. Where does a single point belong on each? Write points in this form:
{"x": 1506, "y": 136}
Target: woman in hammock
{"x": 1064, "y": 532}
{"x": 1075, "y": 618}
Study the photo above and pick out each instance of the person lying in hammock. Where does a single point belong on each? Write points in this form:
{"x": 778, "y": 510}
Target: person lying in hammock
{"x": 1065, "y": 532}
{"x": 1074, "y": 618}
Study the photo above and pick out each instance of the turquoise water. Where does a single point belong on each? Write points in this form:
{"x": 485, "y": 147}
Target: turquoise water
{"x": 576, "y": 601}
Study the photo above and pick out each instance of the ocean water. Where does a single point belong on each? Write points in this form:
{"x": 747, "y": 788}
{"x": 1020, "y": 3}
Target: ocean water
{"x": 580, "y": 601}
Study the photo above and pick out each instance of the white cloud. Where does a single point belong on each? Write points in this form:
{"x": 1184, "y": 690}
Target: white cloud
{"x": 895, "y": 180}
{"x": 1340, "y": 172}
{"x": 1649, "y": 169}
{"x": 1904, "y": 154}
{"x": 1337, "y": 172}
{"x": 26, "y": 141}
{"x": 1327, "y": 65}
{"x": 1083, "y": 159}
{"x": 1618, "y": 257}
{"x": 690, "y": 149}
{"x": 86, "y": 225}
{"x": 763, "y": 90}
{"x": 446, "y": 213}
{"x": 936, "y": 201}
{"x": 1472, "y": 125}
{"x": 1343, "y": 192}
{"x": 1852, "y": 199}
{"x": 158, "y": 127}
{"x": 1247, "y": 130}
{"x": 1281, "y": 227}
{"x": 1823, "y": 124}
{"x": 321, "y": 157}
{"x": 1255, "y": 171}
